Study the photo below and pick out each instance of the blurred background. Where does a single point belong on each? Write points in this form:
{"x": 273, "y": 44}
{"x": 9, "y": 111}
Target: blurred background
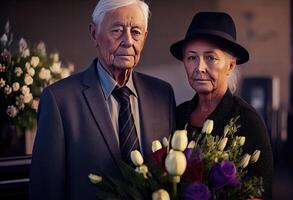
{"x": 264, "y": 27}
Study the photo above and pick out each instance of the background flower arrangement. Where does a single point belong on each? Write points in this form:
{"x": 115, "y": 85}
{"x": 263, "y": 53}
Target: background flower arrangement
{"x": 24, "y": 72}
{"x": 209, "y": 167}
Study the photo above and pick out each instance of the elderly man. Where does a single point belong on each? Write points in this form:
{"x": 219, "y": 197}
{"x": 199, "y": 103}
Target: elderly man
{"x": 91, "y": 120}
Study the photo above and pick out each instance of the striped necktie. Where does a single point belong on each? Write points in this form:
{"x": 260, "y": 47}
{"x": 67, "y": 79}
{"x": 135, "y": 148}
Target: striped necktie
{"x": 128, "y": 139}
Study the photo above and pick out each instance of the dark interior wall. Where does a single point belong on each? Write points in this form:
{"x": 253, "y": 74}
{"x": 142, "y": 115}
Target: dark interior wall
{"x": 63, "y": 26}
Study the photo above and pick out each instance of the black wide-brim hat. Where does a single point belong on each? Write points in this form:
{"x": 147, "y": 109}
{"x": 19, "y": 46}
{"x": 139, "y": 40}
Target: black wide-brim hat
{"x": 218, "y": 27}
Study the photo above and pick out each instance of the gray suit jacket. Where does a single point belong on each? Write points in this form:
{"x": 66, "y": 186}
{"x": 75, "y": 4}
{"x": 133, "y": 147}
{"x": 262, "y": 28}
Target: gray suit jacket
{"x": 75, "y": 136}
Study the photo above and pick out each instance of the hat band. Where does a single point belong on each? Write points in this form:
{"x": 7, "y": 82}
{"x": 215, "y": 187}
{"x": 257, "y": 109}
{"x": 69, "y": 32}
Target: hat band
{"x": 190, "y": 34}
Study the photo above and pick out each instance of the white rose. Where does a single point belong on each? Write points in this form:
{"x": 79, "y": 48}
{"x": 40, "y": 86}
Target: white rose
{"x": 27, "y": 66}
{"x": 35, "y": 104}
{"x": 70, "y": 67}
{"x": 95, "y": 178}
{"x": 56, "y": 67}
{"x": 11, "y": 111}
{"x": 2, "y": 82}
{"x": 179, "y": 140}
{"x": 136, "y": 158}
{"x": 15, "y": 86}
{"x": 4, "y": 39}
{"x": 55, "y": 57}
{"x": 64, "y": 72}
{"x": 31, "y": 72}
{"x": 20, "y": 102}
{"x": 7, "y": 90}
{"x": 28, "y": 97}
{"x": 208, "y": 126}
{"x": 160, "y": 194}
{"x": 18, "y": 71}
{"x": 156, "y": 145}
{"x": 26, "y": 53}
{"x": 42, "y": 48}
{"x": 25, "y": 89}
{"x": 45, "y": 74}
{"x": 35, "y": 60}
{"x": 22, "y": 45}
{"x": 28, "y": 80}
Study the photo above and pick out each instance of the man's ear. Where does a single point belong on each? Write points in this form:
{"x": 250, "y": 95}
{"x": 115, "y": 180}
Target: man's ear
{"x": 93, "y": 32}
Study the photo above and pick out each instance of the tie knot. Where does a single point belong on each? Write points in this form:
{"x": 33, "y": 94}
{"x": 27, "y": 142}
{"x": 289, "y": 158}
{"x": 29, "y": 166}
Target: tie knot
{"x": 121, "y": 94}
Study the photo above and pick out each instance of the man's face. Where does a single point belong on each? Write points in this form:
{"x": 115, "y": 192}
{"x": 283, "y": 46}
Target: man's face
{"x": 207, "y": 66}
{"x": 121, "y": 37}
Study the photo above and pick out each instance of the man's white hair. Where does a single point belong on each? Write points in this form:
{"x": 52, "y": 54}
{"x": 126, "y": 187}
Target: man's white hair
{"x": 107, "y": 5}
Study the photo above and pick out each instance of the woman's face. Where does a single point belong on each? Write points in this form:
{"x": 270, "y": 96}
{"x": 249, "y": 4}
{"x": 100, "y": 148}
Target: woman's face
{"x": 207, "y": 66}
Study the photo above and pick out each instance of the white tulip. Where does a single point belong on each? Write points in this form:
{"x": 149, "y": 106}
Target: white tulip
{"x": 95, "y": 178}
{"x": 222, "y": 143}
{"x": 241, "y": 140}
{"x": 156, "y": 145}
{"x": 165, "y": 142}
{"x": 245, "y": 160}
{"x": 255, "y": 156}
{"x": 208, "y": 126}
{"x": 136, "y": 158}
{"x": 160, "y": 194}
{"x": 175, "y": 163}
{"x": 179, "y": 140}
{"x": 143, "y": 169}
{"x": 226, "y": 130}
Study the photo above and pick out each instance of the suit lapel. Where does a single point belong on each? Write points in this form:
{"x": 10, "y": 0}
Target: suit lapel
{"x": 94, "y": 97}
{"x": 146, "y": 110}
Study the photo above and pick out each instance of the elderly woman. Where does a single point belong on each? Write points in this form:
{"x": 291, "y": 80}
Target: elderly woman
{"x": 210, "y": 54}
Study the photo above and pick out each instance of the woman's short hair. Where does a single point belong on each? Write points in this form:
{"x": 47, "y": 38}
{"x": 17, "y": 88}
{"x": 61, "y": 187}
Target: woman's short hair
{"x": 107, "y": 5}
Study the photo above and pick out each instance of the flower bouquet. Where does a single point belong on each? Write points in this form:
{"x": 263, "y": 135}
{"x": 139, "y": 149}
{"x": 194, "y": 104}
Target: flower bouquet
{"x": 24, "y": 72}
{"x": 208, "y": 167}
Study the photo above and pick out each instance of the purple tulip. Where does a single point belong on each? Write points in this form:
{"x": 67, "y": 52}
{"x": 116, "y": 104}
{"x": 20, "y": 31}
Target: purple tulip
{"x": 222, "y": 174}
{"x": 196, "y": 191}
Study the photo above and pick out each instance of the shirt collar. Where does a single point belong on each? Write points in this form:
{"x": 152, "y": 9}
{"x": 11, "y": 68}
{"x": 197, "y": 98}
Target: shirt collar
{"x": 109, "y": 84}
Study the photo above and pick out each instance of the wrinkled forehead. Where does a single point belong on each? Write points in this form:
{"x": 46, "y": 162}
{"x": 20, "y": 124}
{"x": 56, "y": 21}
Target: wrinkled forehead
{"x": 130, "y": 15}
